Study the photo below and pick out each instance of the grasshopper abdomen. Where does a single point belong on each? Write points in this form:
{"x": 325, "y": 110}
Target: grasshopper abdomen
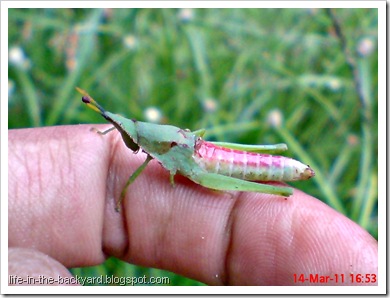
{"x": 249, "y": 165}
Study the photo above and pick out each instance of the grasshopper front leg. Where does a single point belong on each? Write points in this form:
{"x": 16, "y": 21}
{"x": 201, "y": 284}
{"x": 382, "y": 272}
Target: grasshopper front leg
{"x": 131, "y": 180}
{"x": 103, "y": 132}
{"x": 225, "y": 183}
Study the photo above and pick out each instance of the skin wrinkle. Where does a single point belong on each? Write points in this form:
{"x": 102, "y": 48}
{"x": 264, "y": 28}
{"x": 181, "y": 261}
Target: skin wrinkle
{"x": 310, "y": 253}
{"x": 52, "y": 157}
{"x": 69, "y": 156}
{"x": 163, "y": 236}
{"x": 70, "y": 175}
{"x": 272, "y": 258}
{"x": 275, "y": 249}
{"x": 60, "y": 169}
{"x": 21, "y": 163}
{"x": 285, "y": 224}
{"x": 31, "y": 171}
{"x": 105, "y": 255}
{"x": 64, "y": 169}
{"x": 29, "y": 176}
{"x": 229, "y": 229}
{"x": 39, "y": 173}
{"x": 293, "y": 241}
{"x": 54, "y": 165}
{"x": 115, "y": 145}
{"x": 290, "y": 232}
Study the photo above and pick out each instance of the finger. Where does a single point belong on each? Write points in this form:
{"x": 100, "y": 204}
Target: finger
{"x": 206, "y": 235}
{"x": 56, "y": 192}
{"x": 276, "y": 242}
{"x": 210, "y": 236}
{"x": 250, "y": 239}
{"x": 29, "y": 267}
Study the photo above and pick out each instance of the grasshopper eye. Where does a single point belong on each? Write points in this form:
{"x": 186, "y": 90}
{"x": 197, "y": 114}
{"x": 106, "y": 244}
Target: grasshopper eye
{"x": 86, "y": 99}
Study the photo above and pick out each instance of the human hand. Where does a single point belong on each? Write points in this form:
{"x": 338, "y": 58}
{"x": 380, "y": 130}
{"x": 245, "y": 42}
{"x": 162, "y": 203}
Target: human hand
{"x": 63, "y": 186}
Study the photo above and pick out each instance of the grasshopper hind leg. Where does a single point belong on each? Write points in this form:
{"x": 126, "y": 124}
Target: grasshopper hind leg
{"x": 225, "y": 183}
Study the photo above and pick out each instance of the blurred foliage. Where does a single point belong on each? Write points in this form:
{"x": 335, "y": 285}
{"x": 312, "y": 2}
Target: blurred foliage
{"x": 253, "y": 76}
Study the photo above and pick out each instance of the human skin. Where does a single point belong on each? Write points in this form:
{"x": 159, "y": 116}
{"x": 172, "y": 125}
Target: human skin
{"x": 63, "y": 185}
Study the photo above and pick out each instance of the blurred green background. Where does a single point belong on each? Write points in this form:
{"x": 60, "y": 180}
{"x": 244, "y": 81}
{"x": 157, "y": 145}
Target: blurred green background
{"x": 305, "y": 77}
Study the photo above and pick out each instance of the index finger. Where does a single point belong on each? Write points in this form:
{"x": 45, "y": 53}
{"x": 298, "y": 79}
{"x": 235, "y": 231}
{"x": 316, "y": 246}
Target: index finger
{"x": 218, "y": 238}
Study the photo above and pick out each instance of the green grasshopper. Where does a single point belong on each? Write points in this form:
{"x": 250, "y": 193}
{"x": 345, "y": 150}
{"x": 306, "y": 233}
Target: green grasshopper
{"x": 215, "y": 165}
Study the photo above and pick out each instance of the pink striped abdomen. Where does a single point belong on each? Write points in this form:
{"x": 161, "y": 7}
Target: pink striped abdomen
{"x": 248, "y": 165}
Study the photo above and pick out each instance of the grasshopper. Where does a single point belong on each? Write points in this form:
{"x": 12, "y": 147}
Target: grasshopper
{"x": 215, "y": 165}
